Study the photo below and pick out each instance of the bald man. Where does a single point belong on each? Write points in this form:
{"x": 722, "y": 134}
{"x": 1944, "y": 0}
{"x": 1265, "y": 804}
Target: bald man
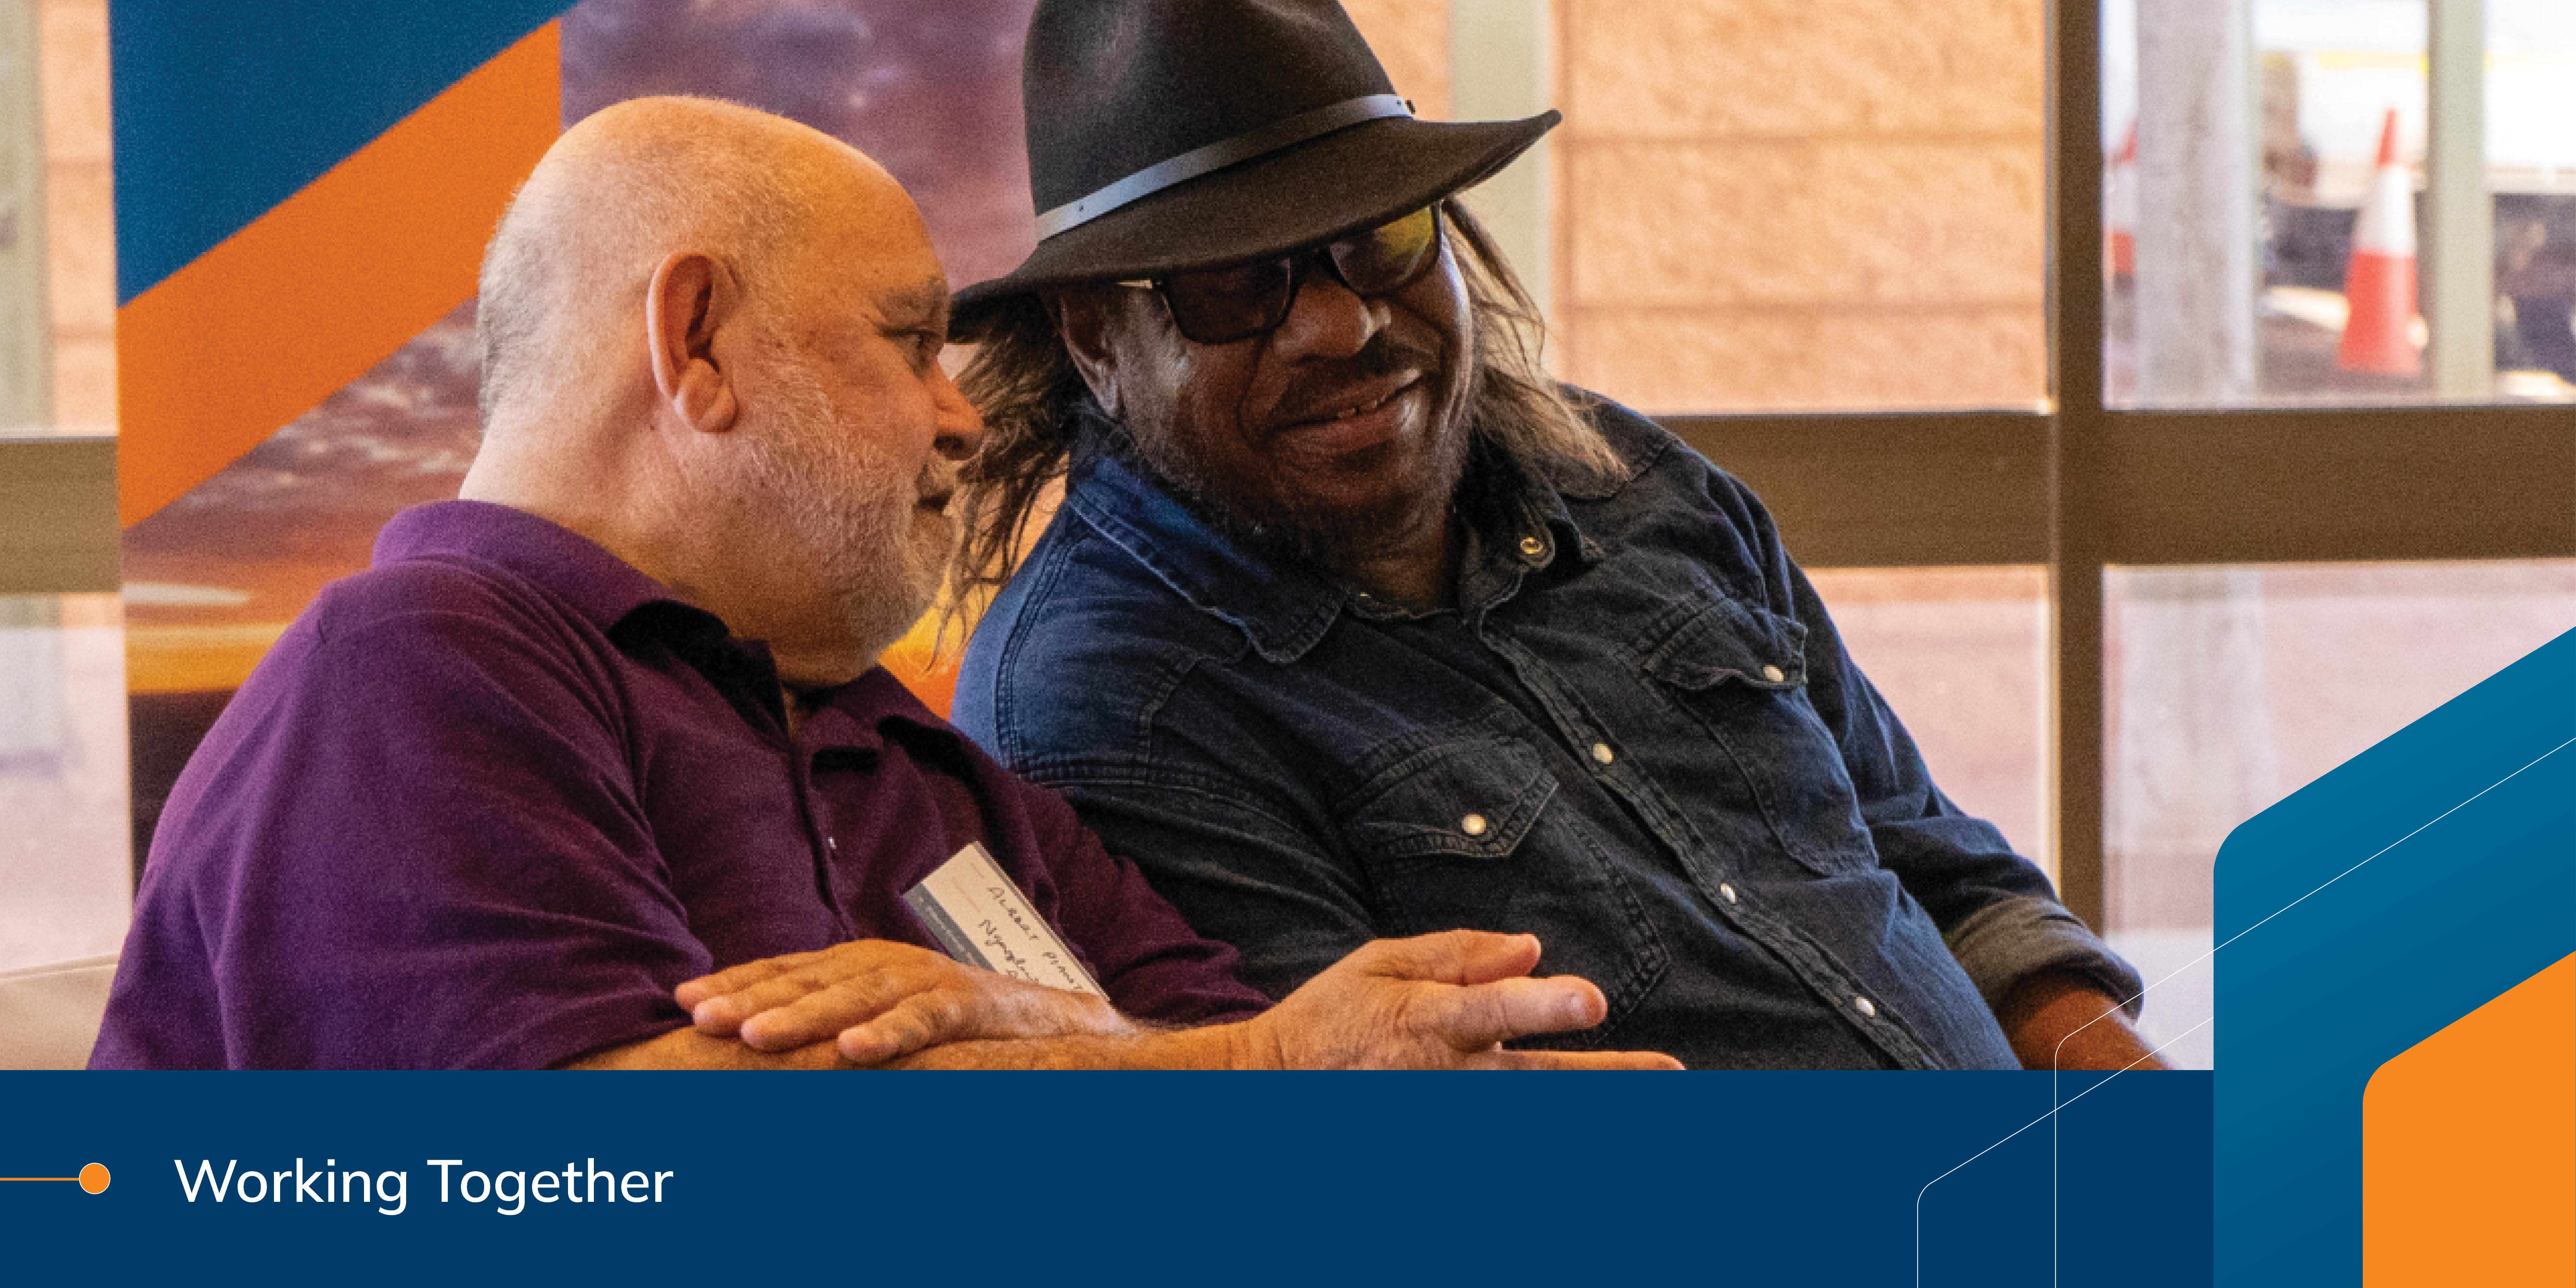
{"x": 594, "y": 765}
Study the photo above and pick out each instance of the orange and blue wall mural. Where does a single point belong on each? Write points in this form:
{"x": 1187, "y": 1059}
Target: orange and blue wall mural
{"x": 303, "y": 194}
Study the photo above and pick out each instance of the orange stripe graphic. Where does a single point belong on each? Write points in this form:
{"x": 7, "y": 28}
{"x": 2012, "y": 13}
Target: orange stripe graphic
{"x": 262, "y": 328}
{"x": 2469, "y": 1147}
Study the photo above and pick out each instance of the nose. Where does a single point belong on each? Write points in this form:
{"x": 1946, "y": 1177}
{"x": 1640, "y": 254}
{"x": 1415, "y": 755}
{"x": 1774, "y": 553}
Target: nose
{"x": 959, "y": 428}
{"x": 1328, "y": 321}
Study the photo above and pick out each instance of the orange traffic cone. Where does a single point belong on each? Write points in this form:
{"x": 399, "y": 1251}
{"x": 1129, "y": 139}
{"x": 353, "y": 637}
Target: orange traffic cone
{"x": 2120, "y": 208}
{"x": 2380, "y": 283}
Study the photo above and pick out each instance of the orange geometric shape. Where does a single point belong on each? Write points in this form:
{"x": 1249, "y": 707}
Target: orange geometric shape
{"x": 93, "y": 1178}
{"x": 2469, "y": 1147}
{"x": 257, "y": 331}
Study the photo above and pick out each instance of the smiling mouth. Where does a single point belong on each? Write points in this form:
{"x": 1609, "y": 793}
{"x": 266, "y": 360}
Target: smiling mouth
{"x": 1356, "y": 404}
{"x": 1362, "y": 409}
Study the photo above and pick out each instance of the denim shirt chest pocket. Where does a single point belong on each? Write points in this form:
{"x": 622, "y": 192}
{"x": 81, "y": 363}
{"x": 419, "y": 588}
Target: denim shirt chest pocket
{"x": 1469, "y": 833}
{"x": 1741, "y": 672}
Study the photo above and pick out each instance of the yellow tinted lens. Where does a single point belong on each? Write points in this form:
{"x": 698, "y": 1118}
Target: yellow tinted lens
{"x": 1389, "y": 256}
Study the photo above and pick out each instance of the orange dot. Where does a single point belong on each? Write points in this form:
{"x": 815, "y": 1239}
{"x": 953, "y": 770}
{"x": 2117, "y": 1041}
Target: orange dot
{"x": 94, "y": 1178}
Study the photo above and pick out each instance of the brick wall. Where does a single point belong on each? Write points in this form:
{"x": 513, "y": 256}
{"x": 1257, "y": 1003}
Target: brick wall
{"x": 1412, "y": 38}
{"x": 1802, "y": 204}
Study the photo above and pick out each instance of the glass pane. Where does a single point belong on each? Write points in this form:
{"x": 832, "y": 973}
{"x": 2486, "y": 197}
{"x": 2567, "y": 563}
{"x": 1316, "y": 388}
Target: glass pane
{"x": 2531, "y": 143}
{"x": 1961, "y": 654}
{"x": 2329, "y": 269}
{"x": 2230, "y": 687}
{"x": 65, "y": 866}
{"x": 1768, "y": 207}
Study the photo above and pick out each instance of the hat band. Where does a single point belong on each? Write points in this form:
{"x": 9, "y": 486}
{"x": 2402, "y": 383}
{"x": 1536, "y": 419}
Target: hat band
{"x": 1217, "y": 156}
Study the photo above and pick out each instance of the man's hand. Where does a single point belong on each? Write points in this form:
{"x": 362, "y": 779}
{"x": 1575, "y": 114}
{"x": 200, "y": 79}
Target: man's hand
{"x": 880, "y": 1001}
{"x": 2057, "y": 1020}
{"x": 1445, "y": 1001}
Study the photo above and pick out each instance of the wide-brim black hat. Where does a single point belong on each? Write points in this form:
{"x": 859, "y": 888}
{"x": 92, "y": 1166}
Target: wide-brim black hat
{"x": 1167, "y": 135}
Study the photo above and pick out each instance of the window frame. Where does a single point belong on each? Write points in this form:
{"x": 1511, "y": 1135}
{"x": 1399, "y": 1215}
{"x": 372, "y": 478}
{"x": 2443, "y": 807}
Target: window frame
{"x": 2084, "y": 485}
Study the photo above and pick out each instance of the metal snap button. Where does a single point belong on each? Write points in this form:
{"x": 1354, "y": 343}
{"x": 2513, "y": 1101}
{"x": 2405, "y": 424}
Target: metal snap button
{"x": 1533, "y": 547}
{"x": 1726, "y": 892}
{"x": 1472, "y": 825}
{"x": 1601, "y": 753}
{"x": 1774, "y": 674}
{"x": 1865, "y": 1006}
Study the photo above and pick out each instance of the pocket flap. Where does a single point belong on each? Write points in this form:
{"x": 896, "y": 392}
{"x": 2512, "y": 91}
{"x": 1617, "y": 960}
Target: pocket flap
{"x": 1470, "y": 799}
{"x": 1708, "y": 638}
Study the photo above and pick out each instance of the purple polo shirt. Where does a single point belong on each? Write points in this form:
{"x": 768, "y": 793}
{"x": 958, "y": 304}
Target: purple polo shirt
{"x": 487, "y": 803}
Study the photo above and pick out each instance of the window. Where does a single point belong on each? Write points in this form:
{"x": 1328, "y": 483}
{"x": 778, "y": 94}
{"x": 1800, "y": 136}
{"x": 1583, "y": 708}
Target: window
{"x": 2382, "y": 212}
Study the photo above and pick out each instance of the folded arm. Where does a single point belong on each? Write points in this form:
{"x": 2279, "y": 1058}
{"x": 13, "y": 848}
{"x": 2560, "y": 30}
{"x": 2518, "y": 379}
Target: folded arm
{"x": 1439, "y": 1001}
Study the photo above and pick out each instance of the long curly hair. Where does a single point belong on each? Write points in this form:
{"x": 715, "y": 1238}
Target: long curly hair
{"x": 1027, "y": 389}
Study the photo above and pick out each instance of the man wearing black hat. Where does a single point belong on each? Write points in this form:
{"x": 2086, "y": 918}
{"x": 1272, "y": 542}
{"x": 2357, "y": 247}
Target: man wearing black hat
{"x": 1353, "y": 624}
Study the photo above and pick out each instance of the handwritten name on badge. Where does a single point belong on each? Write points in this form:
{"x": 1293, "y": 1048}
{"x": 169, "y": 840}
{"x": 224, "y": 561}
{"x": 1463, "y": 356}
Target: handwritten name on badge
{"x": 982, "y": 920}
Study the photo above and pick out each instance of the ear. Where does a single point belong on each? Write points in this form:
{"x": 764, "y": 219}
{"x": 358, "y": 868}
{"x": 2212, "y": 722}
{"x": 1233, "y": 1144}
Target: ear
{"x": 1085, "y": 320}
{"x": 689, "y": 299}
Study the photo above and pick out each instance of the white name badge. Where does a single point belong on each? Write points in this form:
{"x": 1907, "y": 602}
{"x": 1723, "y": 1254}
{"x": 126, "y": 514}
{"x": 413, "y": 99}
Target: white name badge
{"x": 981, "y": 919}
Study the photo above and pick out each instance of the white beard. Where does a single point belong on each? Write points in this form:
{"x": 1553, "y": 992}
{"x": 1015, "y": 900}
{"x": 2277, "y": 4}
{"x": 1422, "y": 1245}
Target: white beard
{"x": 855, "y": 513}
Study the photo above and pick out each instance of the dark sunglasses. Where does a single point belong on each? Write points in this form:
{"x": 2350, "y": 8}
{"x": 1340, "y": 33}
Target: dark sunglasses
{"x": 1238, "y": 302}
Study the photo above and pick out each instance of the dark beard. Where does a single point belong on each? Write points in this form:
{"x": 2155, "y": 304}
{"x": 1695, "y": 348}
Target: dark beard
{"x": 1277, "y": 527}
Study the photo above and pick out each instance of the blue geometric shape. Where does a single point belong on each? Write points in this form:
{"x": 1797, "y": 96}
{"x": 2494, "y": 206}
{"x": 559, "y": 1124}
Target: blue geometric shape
{"x": 2471, "y": 812}
{"x": 224, "y": 109}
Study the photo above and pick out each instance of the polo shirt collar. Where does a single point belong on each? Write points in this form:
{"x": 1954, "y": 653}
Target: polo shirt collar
{"x": 600, "y": 586}
{"x": 607, "y": 591}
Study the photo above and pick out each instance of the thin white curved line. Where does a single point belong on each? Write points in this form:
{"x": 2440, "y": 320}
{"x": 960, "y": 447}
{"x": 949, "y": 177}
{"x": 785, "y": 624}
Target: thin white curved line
{"x": 2057, "y": 1056}
{"x": 1927, "y": 1185}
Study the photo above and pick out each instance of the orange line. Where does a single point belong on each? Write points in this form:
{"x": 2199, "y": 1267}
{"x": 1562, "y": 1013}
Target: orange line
{"x": 39, "y": 1178}
{"x": 263, "y": 327}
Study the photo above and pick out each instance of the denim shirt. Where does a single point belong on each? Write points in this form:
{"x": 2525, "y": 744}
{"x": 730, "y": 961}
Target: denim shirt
{"x": 1637, "y": 737}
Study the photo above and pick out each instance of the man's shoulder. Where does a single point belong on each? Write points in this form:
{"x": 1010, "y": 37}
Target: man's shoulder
{"x": 403, "y": 637}
{"x": 404, "y": 673}
{"x": 1652, "y": 453}
{"x": 1077, "y": 650}
{"x": 402, "y": 592}
{"x": 1666, "y": 479}
{"x": 442, "y": 604}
